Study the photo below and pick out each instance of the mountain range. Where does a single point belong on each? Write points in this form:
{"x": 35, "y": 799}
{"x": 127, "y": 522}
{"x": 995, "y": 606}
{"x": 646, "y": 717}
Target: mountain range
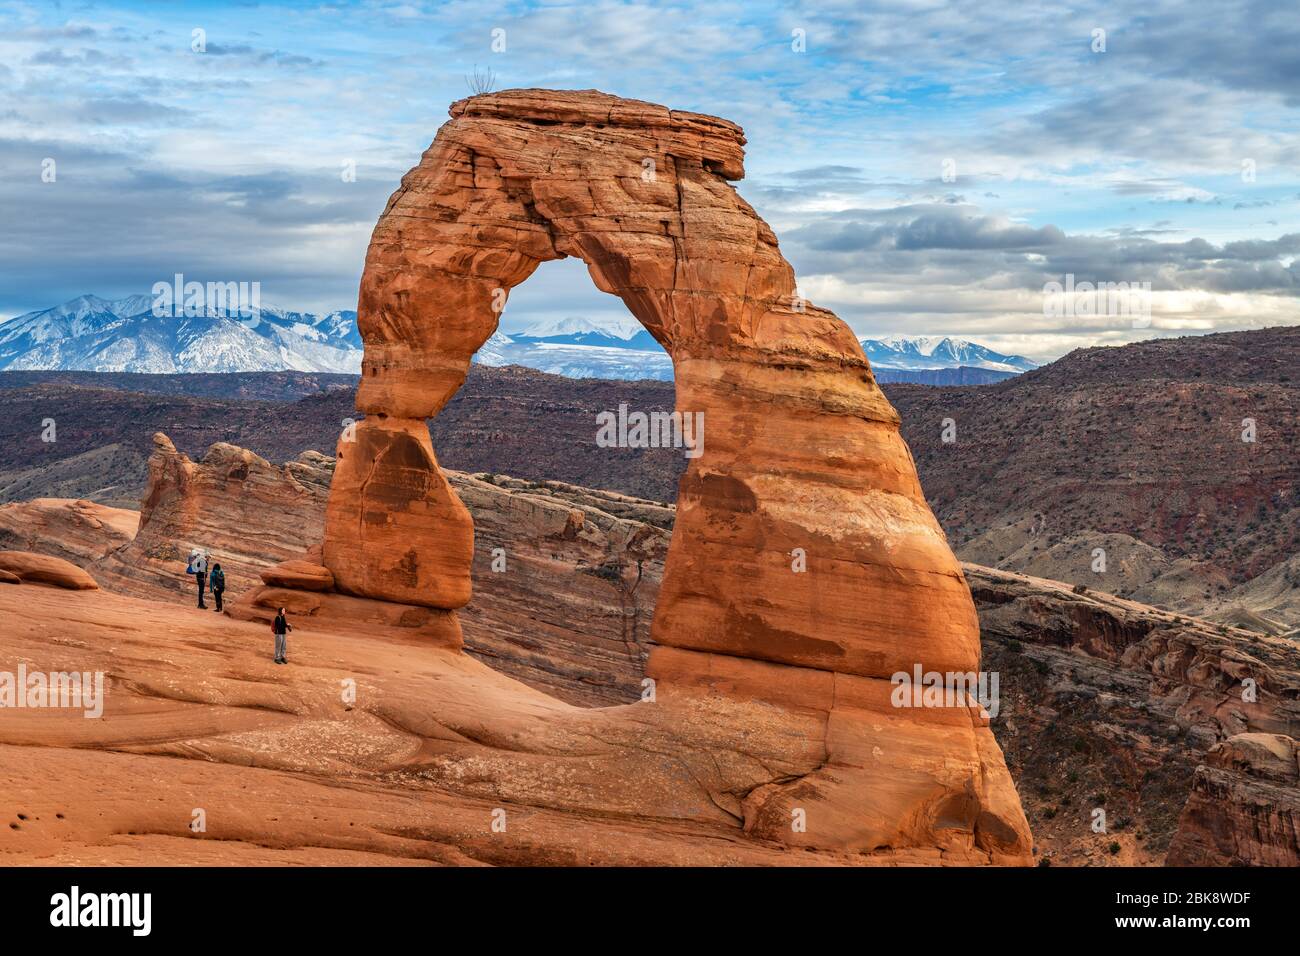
{"x": 89, "y": 333}
{"x": 934, "y": 352}
{"x": 124, "y": 335}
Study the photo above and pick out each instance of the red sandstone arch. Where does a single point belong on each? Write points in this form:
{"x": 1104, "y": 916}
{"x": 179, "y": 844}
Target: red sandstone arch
{"x": 802, "y": 449}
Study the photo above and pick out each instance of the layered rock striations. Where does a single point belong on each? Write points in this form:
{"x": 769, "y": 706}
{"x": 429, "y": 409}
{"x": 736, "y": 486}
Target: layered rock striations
{"x": 73, "y": 529}
{"x": 805, "y": 567}
{"x": 243, "y": 511}
{"x": 1104, "y": 703}
{"x": 1112, "y": 705}
{"x": 29, "y": 567}
{"x": 568, "y": 577}
{"x": 1244, "y": 808}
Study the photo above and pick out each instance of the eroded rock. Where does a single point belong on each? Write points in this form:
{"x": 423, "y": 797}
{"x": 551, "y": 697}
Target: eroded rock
{"x": 803, "y": 547}
{"x": 1244, "y": 808}
{"x": 244, "y": 511}
{"x": 31, "y": 568}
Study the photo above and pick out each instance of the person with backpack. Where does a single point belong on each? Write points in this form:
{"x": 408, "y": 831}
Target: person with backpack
{"x": 199, "y": 568}
{"x": 281, "y": 626}
{"x": 217, "y": 584}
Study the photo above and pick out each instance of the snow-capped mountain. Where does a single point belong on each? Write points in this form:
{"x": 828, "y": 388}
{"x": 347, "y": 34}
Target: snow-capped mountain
{"x": 618, "y": 347}
{"x": 609, "y": 347}
{"x": 930, "y": 351}
{"x": 620, "y": 332}
{"x": 124, "y": 335}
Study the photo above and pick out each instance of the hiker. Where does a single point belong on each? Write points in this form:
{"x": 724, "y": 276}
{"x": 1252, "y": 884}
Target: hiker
{"x": 199, "y": 568}
{"x": 281, "y": 627}
{"x": 217, "y": 583}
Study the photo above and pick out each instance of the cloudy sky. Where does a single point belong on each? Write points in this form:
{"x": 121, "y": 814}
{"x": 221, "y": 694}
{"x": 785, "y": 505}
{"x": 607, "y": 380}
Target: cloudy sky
{"x": 928, "y": 166}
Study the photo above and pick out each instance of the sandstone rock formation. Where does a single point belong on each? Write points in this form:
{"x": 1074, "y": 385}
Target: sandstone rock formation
{"x": 430, "y": 752}
{"x": 75, "y": 530}
{"x": 302, "y": 575}
{"x": 1100, "y": 697}
{"x": 31, "y": 568}
{"x": 1244, "y": 809}
{"x": 245, "y": 512}
{"x": 805, "y": 567}
{"x": 568, "y": 576}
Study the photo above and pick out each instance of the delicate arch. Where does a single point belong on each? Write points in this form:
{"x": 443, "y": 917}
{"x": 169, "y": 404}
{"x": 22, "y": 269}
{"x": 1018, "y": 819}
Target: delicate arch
{"x": 802, "y": 450}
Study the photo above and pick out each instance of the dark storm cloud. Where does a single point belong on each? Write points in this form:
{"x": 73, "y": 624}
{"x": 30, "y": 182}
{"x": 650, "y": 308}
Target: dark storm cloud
{"x": 917, "y": 228}
{"x": 1251, "y": 45}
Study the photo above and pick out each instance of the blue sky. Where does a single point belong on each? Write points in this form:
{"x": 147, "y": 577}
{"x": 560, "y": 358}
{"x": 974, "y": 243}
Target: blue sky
{"x": 1117, "y": 165}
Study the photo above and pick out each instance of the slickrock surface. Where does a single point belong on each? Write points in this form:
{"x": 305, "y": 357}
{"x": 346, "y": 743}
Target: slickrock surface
{"x": 1245, "y": 806}
{"x": 31, "y": 568}
{"x": 1081, "y": 716}
{"x": 301, "y": 575}
{"x": 805, "y": 567}
{"x": 415, "y": 768}
{"x": 570, "y": 613}
{"x": 1110, "y": 704}
{"x": 75, "y": 530}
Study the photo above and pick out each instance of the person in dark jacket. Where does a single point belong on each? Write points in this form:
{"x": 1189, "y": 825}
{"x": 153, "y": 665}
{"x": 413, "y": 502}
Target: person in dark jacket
{"x": 281, "y": 627}
{"x": 217, "y": 584}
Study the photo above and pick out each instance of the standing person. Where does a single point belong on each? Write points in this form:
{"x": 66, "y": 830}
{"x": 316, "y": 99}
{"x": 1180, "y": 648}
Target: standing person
{"x": 199, "y": 568}
{"x": 281, "y": 627}
{"x": 217, "y": 583}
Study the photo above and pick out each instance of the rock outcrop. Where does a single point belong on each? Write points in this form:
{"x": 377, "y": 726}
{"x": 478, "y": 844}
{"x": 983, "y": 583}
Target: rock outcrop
{"x": 245, "y": 512}
{"x": 1244, "y": 809}
{"x": 371, "y": 749}
{"x": 300, "y": 575}
{"x": 805, "y": 567}
{"x": 73, "y": 529}
{"x": 31, "y": 568}
{"x": 1104, "y": 703}
{"x": 568, "y": 576}
{"x": 1112, "y": 705}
